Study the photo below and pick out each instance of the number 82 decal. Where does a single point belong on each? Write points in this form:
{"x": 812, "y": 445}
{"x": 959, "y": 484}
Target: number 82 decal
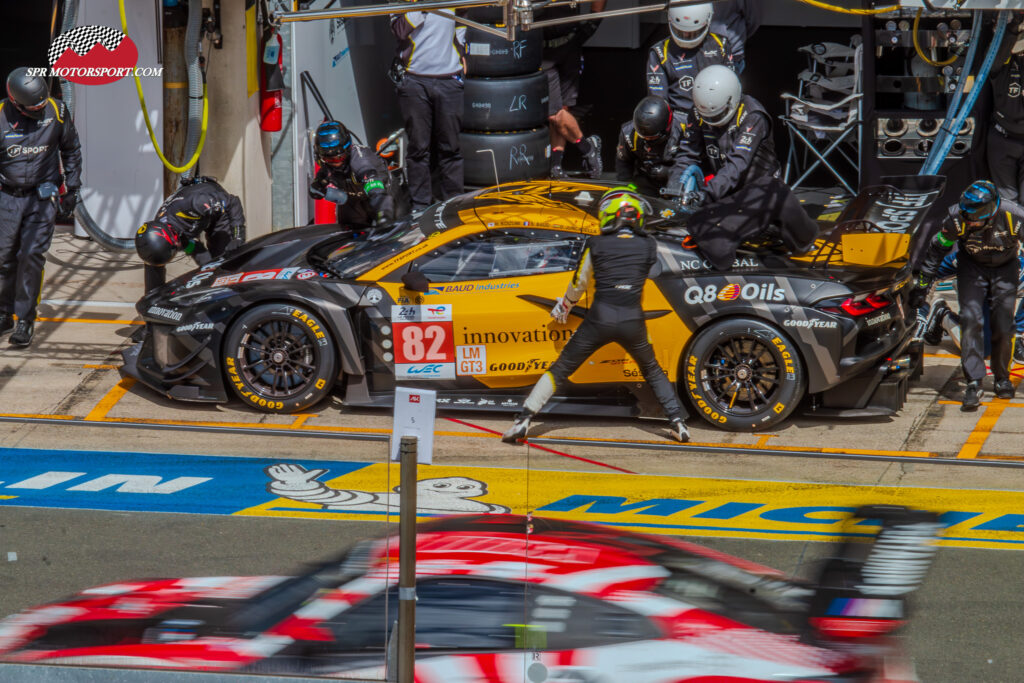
{"x": 424, "y": 342}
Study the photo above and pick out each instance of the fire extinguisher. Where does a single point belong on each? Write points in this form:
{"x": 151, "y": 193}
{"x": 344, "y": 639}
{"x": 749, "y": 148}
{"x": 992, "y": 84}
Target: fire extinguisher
{"x": 272, "y": 84}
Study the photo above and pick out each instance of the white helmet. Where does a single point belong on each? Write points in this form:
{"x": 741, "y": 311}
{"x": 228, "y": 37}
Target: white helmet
{"x": 689, "y": 24}
{"x": 716, "y": 94}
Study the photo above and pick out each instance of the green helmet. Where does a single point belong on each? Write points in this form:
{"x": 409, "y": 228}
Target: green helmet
{"x": 622, "y": 207}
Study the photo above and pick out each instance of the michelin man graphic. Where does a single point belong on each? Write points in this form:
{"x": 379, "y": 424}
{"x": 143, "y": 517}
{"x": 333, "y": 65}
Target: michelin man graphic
{"x": 433, "y": 496}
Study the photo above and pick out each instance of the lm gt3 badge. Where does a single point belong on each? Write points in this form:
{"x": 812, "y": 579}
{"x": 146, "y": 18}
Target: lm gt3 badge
{"x": 751, "y": 291}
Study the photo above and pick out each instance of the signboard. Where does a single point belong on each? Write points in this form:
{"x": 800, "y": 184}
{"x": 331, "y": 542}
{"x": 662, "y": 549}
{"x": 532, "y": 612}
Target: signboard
{"x": 414, "y": 416}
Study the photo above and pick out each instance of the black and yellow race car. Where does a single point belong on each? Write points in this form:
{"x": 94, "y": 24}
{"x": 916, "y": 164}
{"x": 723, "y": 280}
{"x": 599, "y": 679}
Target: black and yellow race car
{"x": 458, "y": 300}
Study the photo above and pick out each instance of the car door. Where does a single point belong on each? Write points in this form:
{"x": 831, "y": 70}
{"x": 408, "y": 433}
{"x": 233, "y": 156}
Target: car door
{"x": 493, "y": 292}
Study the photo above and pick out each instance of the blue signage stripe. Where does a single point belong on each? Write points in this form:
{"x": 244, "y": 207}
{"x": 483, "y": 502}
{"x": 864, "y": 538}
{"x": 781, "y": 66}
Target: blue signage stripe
{"x": 143, "y": 482}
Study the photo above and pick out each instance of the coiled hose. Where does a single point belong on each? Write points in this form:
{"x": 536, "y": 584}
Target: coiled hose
{"x": 85, "y": 219}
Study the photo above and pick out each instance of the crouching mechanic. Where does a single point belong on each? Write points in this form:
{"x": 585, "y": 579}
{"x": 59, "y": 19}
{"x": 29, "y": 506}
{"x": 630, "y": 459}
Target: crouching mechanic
{"x": 648, "y": 153}
{"x": 618, "y": 261}
{"x": 200, "y": 209}
{"x": 987, "y": 232}
{"x": 728, "y": 137}
{"x": 352, "y": 176}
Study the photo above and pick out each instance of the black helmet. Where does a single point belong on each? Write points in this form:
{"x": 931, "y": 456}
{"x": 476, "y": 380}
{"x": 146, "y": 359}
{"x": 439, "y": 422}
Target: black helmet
{"x": 652, "y": 118}
{"x": 156, "y": 243}
{"x": 333, "y": 144}
{"x": 27, "y": 93}
{"x": 979, "y": 202}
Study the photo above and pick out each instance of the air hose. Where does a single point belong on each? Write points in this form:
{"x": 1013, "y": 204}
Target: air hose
{"x": 917, "y": 45}
{"x": 933, "y": 164}
{"x": 85, "y": 219}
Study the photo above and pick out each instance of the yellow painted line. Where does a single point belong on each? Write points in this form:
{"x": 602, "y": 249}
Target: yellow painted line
{"x": 102, "y": 367}
{"x": 666, "y": 504}
{"x": 1005, "y": 403}
{"x": 7, "y": 497}
{"x": 39, "y": 416}
{"x": 763, "y": 441}
{"x": 90, "y": 320}
{"x": 941, "y": 355}
{"x": 984, "y": 426}
{"x": 110, "y": 400}
{"x": 300, "y": 419}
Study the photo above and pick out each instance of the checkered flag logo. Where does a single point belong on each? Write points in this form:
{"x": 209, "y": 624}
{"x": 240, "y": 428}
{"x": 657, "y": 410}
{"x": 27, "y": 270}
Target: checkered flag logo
{"x": 82, "y": 39}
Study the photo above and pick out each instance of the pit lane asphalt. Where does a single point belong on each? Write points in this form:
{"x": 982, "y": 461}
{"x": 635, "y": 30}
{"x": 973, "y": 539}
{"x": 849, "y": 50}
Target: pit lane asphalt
{"x": 970, "y": 606}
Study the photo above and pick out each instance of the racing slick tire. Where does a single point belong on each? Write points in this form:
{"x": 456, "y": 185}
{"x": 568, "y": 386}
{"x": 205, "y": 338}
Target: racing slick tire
{"x": 743, "y": 374}
{"x": 522, "y": 155}
{"x": 491, "y": 55}
{"x": 511, "y": 103}
{"x": 280, "y": 358}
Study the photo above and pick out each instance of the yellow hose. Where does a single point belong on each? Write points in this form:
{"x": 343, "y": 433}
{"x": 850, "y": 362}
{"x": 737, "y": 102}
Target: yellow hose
{"x": 920, "y": 52}
{"x": 846, "y": 10}
{"x": 149, "y": 125}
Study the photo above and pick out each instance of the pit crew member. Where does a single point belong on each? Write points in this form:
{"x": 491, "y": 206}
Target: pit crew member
{"x": 618, "y": 261}
{"x": 357, "y": 175}
{"x": 986, "y": 230}
{"x": 673, "y": 63}
{"x": 1005, "y": 142}
{"x": 39, "y": 138}
{"x": 648, "y": 153}
{"x": 737, "y": 21}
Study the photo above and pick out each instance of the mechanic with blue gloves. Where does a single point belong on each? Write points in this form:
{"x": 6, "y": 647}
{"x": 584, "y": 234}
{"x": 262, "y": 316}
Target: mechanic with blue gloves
{"x": 648, "y": 154}
{"x": 689, "y": 49}
{"x": 352, "y": 176}
{"x": 39, "y": 138}
{"x": 728, "y": 135}
{"x": 200, "y": 210}
{"x": 619, "y": 261}
{"x": 986, "y": 230}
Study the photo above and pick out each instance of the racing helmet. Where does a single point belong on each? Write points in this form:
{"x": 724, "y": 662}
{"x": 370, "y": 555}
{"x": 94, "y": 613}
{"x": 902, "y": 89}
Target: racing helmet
{"x": 333, "y": 144}
{"x": 622, "y": 207}
{"x": 979, "y": 202}
{"x": 689, "y": 24}
{"x": 156, "y": 243}
{"x": 652, "y": 118}
{"x": 27, "y": 93}
{"x": 716, "y": 94}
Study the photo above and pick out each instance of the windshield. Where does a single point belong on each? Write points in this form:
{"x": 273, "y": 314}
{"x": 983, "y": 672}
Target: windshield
{"x": 351, "y": 257}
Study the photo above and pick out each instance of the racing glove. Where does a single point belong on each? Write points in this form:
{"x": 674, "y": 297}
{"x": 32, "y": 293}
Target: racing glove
{"x": 560, "y": 311}
{"x": 919, "y": 293}
{"x": 69, "y": 200}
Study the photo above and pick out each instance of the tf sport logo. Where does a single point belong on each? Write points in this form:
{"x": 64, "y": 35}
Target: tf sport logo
{"x": 94, "y": 55}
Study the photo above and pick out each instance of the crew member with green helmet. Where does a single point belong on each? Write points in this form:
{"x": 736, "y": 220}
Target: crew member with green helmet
{"x": 618, "y": 262}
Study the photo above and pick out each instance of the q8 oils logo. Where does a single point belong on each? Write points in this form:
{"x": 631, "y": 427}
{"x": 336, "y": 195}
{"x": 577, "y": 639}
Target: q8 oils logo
{"x": 94, "y": 55}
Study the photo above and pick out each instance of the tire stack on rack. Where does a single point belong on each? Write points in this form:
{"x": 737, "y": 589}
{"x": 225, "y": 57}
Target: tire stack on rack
{"x": 506, "y": 109}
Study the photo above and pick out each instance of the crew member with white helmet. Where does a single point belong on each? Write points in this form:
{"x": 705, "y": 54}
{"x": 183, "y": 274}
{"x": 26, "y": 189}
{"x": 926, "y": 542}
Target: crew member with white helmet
{"x": 728, "y": 136}
{"x": 673, "y": 63}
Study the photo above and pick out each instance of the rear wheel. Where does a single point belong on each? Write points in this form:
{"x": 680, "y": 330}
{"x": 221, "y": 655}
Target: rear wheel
{"x": 280, "y": 358}
{"x": 743, "y": 374}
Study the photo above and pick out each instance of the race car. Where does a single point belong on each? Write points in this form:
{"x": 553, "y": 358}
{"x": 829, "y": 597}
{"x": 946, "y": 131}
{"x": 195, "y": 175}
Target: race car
{"x": 458, "y": 300}
{"x": 510, "y": 599}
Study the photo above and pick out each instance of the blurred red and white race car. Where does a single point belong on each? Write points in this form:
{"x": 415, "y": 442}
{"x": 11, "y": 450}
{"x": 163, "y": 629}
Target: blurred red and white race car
{"x": 506, "y": 598}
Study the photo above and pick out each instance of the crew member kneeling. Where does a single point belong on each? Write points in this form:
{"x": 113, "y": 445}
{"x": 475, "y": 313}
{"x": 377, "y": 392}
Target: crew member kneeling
{"x": 618, "y": 261}
{"x": 39, "y": 136}
{"x": 201, "y": 209}
{"x": 987, "y": 232}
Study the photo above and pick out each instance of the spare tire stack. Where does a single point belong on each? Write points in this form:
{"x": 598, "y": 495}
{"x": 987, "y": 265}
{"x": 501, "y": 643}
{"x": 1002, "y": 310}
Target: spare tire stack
{"x": 506, "y": 109}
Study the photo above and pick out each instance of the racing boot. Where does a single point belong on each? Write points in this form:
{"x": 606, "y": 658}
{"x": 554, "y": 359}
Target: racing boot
{"x": 519, "y": 428}
{"x": 972, "y": 397}
{"x": 592, "y": 159}
{"x": 1005, "y": 389}
{"x": 22, "y": 335}
{"x": 951, "y": 323}
{"x": 6, "y": 323}
{"x": 933, "y": 327}
{"x": 679, "y": 431}
{"x": 922, "y": 322}
{"x": 557, "y": 172}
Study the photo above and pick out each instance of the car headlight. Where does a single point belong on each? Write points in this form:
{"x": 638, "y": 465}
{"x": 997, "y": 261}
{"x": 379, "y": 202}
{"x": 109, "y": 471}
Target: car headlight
{"x": 193, "y": 298}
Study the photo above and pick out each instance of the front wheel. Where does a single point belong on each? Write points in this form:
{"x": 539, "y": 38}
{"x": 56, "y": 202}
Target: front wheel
{"x": 743, "y": 374}
{"x": 280, "y": 358}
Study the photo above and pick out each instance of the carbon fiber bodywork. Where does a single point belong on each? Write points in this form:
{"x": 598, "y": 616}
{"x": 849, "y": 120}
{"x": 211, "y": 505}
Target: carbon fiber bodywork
{"x": 854, "y": 364}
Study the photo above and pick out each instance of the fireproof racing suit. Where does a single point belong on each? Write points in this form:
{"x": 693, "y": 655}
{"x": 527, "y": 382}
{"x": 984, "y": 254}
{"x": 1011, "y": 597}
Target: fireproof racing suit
{"x": 737, "y": 21}
{"x": 987, "y": 276}
{"x": 32, "y": 153}
{"x": 204, "y": 208}
{"x": 671, "y": 69}
{"x": 618, "y": 264}
{"x": 366, "y": 181}
{"x": 736, "y": 152}
{"x": 652, "y": 165}
{"x": 1006, "y": 135}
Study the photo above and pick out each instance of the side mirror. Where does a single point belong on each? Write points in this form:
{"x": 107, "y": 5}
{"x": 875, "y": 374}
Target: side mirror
{"x": 415, "y": 281}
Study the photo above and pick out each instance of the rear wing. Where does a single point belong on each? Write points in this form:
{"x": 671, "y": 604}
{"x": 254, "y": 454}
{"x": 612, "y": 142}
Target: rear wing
{"x": 862, "y": 592}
